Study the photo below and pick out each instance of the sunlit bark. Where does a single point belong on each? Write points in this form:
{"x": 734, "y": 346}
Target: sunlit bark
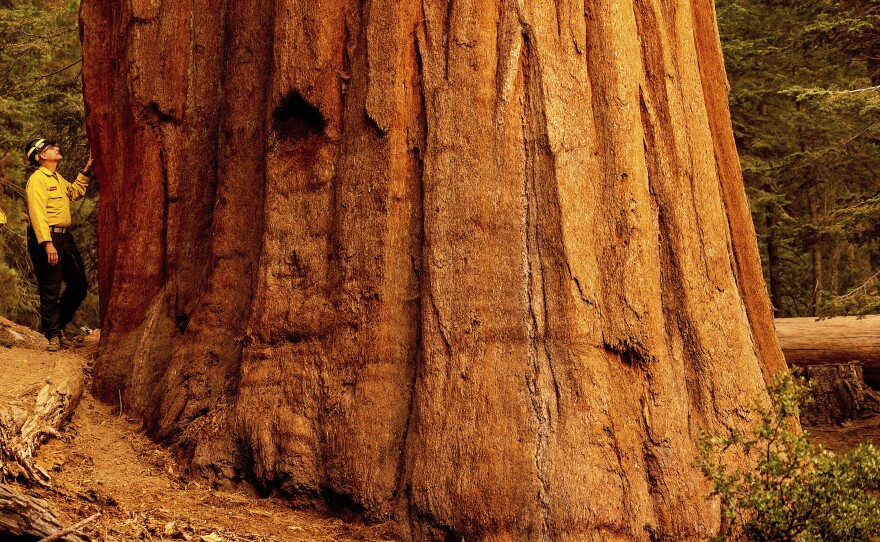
{"x": 485, "y": 268}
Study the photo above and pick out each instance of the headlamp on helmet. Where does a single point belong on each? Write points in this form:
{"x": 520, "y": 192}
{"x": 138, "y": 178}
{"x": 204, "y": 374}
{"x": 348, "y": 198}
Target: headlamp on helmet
{"x": 34, "y": 147}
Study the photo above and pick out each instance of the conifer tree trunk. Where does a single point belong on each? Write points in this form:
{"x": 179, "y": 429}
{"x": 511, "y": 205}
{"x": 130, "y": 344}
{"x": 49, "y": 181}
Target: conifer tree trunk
{"x": 485, "y": 268}
{"x": 774, "y": 264}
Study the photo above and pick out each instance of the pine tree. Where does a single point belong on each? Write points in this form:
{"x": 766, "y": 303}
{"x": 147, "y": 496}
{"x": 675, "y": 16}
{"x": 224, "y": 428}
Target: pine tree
{"x": 807, "y": 124}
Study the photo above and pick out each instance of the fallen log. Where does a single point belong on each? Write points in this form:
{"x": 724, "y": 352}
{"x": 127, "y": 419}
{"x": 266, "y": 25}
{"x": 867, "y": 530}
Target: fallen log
{"x": 64, "y": 533}
{"x": 22, "y": 432}
{"x": 21, "y": 515}
{"x": 844, "y": 339}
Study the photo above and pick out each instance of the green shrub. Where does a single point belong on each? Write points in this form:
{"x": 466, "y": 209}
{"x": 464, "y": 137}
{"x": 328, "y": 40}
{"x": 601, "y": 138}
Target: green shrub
{"x": 796, "y": 491}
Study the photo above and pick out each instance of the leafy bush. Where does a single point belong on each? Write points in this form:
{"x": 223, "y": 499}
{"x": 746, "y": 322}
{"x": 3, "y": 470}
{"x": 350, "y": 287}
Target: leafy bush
{"x": 796, "y": 491}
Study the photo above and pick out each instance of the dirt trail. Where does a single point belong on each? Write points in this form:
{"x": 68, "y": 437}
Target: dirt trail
{"x": 104, "y": 462}
{"x": 842, "y": 439}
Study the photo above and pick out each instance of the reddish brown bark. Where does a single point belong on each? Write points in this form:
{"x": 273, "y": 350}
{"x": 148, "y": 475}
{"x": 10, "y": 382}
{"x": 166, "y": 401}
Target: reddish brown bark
{"x": 486, "y": 268}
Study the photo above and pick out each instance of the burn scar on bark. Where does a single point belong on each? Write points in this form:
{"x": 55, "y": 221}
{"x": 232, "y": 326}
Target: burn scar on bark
{"x": 509, "y": 50}
{"x": 621, "y": 471}
{"x": 561, "y": 16}
{"x": 545, "y": 264}
{"x": 154, "y": 114}
{"x": 418, "y": 263}
{"x": 440, "y": 327}
{"x": 163, "y": 164}
{"x": 584, "y": 297}
{"x": 447, "y": 35}
{"x": 578, "y": 26}
{"x": 295, "y": 117}
{"x": 630, "y": 350}
{"x": 383, "y": 48}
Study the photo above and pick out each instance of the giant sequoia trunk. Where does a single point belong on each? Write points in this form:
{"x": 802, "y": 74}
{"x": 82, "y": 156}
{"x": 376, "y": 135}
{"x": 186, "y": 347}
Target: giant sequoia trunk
{"x": 483, "y": 267}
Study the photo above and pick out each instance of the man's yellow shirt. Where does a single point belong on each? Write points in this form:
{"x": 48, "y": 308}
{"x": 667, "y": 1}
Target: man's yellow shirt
{"x": 48, "y": 200}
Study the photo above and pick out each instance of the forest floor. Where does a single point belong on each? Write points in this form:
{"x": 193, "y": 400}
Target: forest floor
{"x": 104, "y": 462}
{"x": 843, "y": 438}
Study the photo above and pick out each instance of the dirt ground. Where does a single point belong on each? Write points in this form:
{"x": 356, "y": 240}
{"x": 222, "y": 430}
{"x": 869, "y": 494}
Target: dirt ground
{"x": 841, "y": 439}
{"x": 105, "y": 463}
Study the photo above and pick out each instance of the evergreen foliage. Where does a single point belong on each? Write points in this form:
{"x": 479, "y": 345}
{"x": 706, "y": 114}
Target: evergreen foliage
{"x": 806, "y": 115}
{"x": 41, "y": 96}
{"x": 797, "y": 491}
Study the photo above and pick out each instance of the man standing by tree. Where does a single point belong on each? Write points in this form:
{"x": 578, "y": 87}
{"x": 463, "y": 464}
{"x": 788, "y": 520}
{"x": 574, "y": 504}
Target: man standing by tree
{"x": 50, "y": 244}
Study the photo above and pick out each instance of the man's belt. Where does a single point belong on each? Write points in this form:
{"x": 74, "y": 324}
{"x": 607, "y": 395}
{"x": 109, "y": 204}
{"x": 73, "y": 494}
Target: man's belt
{"x": 58, "y": 229}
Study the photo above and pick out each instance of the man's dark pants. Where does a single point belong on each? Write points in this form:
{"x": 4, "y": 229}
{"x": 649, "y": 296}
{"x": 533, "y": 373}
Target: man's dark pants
{"x": 57, "y": 309}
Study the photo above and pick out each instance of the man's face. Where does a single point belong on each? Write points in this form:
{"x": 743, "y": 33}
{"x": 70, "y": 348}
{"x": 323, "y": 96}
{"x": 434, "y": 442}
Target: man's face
{"x": 52, "y": 153}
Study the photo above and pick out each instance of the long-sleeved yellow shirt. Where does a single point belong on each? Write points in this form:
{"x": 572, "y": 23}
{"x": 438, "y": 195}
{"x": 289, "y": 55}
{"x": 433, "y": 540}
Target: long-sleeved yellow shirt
{"x": 48, "y": 200}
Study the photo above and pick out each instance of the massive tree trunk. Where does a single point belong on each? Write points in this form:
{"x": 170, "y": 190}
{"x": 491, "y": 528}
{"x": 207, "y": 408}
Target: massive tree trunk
{"x": 486, "y": 268}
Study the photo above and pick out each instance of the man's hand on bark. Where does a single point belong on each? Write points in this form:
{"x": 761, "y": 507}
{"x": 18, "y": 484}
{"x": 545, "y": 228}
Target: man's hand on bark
{"x": 88, "y": 167}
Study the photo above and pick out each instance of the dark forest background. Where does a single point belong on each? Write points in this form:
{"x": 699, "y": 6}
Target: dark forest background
{"x": 805, "y": 102}
{"x": 41, "y": 96}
